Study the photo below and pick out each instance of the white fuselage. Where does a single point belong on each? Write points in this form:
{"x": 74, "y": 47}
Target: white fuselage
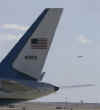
{"x": 15, "y": 90}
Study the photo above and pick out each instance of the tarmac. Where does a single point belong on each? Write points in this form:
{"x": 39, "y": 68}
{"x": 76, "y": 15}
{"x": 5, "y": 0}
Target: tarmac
{"x": 54, "y": 106}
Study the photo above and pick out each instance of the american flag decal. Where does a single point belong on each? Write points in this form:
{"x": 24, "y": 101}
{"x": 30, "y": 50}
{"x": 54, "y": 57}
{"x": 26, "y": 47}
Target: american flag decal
{"x": 39, "y": 43}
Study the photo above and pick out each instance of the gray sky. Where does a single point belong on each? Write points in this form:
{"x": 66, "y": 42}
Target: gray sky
{"x": 78, "y": 34}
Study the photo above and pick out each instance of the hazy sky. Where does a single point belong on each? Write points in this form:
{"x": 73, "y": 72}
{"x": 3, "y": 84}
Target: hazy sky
{"x": 78, "y": 34}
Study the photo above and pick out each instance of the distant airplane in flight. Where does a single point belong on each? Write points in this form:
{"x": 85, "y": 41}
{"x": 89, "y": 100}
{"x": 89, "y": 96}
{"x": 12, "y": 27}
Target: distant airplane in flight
{"x": 21, "y": 70}
{"x": 80, "y": 56}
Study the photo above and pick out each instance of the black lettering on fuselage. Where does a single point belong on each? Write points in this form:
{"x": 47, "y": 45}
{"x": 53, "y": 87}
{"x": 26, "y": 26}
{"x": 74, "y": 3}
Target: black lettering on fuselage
{"x": 30, "y": 57}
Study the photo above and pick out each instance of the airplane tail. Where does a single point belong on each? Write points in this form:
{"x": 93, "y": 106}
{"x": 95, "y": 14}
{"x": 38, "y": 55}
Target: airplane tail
{"x": 29, "y": 54}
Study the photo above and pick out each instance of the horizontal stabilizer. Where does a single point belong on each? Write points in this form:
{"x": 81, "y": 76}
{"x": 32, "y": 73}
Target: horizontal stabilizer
{"x": 77, "y": 86}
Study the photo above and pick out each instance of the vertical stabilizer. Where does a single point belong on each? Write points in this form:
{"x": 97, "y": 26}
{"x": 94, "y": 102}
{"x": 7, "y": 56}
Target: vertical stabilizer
{"x": 29, "y": 54}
